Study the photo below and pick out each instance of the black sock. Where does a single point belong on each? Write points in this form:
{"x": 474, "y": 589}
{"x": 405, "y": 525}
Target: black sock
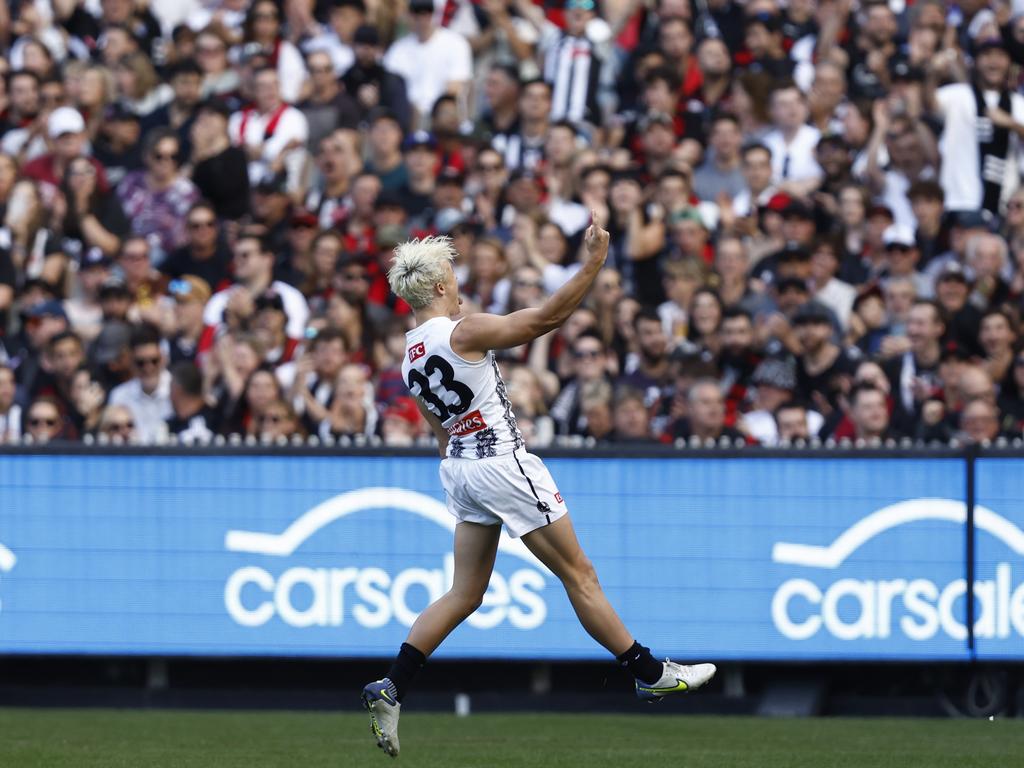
{"x": 407, "y": 665}
{"x": 641, "y": 664}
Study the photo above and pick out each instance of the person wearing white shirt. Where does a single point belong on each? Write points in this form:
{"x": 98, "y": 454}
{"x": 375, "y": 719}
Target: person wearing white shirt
{"x": 336, "y": 37}
{"x": 982, "y": 124}
{"x": 148, "y": 394}
{"x": 10, "y": 412}
{"x": 433, "y": 60}
{"x": 271, "y": 132}
{"x": 792, "y": 143}
{"x": 254, "y": 270}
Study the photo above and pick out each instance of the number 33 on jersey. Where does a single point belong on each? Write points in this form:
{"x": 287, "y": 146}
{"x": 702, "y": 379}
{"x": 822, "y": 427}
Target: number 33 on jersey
{"x": 468, "y": 397}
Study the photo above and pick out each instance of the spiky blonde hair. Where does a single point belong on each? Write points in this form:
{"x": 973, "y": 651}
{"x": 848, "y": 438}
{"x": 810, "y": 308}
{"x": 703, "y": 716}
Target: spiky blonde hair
{"x": 419, "y": 266}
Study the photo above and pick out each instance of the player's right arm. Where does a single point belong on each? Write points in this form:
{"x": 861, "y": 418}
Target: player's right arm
{"x": 435, "y": 424}
{"x": 480, "y": 332}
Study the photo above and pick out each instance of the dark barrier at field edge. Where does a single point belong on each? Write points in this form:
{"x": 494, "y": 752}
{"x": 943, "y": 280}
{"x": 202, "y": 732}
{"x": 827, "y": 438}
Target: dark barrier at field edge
{"x": 746, "y": 554}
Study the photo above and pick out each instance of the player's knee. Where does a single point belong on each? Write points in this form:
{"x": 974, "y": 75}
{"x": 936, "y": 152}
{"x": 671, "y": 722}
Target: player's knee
{"x": 469, "y": 600}
{"x": 581, "y": 575}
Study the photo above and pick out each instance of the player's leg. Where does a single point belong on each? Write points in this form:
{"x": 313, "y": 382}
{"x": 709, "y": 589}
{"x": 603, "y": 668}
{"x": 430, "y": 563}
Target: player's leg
{"x": 475, "y": 549}
{"x": 557, "y": 547}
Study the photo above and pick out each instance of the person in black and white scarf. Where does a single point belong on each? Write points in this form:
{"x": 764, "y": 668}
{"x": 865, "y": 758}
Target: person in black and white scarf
{"x": 985, "y": 113}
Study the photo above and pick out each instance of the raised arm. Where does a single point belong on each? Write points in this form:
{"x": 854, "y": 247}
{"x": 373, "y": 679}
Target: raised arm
{"x": 480, "y": 332}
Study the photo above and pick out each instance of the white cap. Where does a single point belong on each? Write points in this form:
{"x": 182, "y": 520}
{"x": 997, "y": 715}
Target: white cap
{"x": 899, "y": 234}
{"x": 65, "y": 120}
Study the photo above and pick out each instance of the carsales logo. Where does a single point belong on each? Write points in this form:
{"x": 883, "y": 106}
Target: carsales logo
{"x": 916, "y": 608}
{"x": 7, "y": 561}
{"x": 471, "y": 423}
{"x": 370, "y": 596}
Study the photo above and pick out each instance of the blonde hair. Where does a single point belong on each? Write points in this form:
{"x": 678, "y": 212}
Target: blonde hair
{"x": 419, "y": 266}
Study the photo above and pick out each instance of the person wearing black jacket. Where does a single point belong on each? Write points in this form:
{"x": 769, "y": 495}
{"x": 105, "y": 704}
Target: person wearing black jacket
{"x": 219, "y": 170}
{"x": 373, "y": 86}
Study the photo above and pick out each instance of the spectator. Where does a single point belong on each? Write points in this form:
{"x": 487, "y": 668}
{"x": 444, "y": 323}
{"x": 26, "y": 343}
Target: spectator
{"x": 792, "y": 142}
{"x": 10, "y": 411}
{"x": 262, "y": 33}
{"x": 270, "y": 132}
{"x": 157, "y": 199}
{"x": 190, "y": 294}
{"x": 44, "y": 421}
{"x": 147, "y": 395}
{"x": 720, "y": 178}
{"x": 870, "y": 414}
{"x": 192, "y": 419}
{"x": 590, "y": 364}
{"x": 66, "y": 130}
{"x": 824, "y": 368}
{"x": 337, "y": 38}
{"x": 254, "y": 272}
{"x": 706, "y": 415}
{"x": 791, "y": 421}
{"x": 401, "y": 423}
{"x": 352, "y": 412}
{"x": 913, "y": 376}
{"x": 219, "y": 170}
{"x": 117, "y": 424}
{"x": 433, "y": 60}
{"x": 631, "y": 420}
{"x": 278, "y": 422}
{"x": 328, "y": 107}
{"x": 204, "y": 254}
{"x": 373, "y": 86}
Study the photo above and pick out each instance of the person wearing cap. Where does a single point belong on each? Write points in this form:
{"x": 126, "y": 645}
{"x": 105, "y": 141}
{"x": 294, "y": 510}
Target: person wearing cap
{"x": 401, "y": 423}
{"x": 432, "y": 59}
{"x": 41, "y": 322}
{"x": 328, "y": 106}
{"x": 190, "y": 294}
{"x": 118, "y": 144}
{"x": 271, "y": 131}
{"x": 336, "y": 38}
{"x": 115, "y": 300}
{"x": 963, "y": 227}
{"x": 83, "y": 308}
{"x": 902, "y": 256}
{"x": 987, "y": 115}
{"x": 574, "y": 60}
{"x": 824, "y": 368}
{"x": 65, "y": 128}
{"x": 912, "y": 156}
{"x": 147, "y": 395}
{"x": 219, "y": 170}
{"x": 371, "y": 85}
{"x": 271, "y": 209}
{"x": 952, "y": 291}
{"x": 420, "y": 152}
{"x": 774, "y": 385}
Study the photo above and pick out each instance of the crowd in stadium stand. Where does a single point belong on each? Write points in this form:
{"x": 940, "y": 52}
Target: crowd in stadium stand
{"x": 815, "y": 208}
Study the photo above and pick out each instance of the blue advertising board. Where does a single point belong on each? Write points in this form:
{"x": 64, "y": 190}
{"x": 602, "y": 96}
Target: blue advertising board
{"x": 999, "y": 558}
{"x": 711, "y": 558}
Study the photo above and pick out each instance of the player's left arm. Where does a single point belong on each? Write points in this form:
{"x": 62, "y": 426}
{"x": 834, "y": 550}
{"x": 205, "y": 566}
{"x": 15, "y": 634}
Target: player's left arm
{"x": 435, "y": 424}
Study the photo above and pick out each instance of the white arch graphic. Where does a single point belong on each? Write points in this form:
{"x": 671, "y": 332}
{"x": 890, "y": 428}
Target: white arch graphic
{"x": 901, "y": 513}
{"x": 285, "y": 543}
{"x": 7, "y": 558}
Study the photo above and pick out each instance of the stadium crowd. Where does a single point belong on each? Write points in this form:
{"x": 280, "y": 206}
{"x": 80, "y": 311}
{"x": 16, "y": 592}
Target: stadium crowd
{"x": 815, "y": 208}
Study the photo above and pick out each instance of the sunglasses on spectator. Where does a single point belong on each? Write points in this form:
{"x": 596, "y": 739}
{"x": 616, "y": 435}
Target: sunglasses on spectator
{"x": 134, "y": 255}
{"x": 165, "y": 156}
{"x": 273, "y": 418}
{"x": 117, "y": 426}
{"x": 490, "y": 167}
{"x": 202, "y": 223}
{"x": 142, "y": 362}
{"x": 41, "y": 421}
{"x": 897, "y": 248}
{"x": 262, "y": 15}
{"x": 528, "y": 284}
{"x": 582, "y": 354}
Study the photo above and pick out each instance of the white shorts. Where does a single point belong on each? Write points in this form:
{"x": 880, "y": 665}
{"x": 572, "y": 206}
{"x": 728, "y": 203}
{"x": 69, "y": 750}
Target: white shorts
{"x": 514, "y": 488}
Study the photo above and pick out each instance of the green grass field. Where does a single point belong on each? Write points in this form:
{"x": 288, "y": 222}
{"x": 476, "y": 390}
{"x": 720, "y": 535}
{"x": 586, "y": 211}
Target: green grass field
{"x": 132, "y": 739}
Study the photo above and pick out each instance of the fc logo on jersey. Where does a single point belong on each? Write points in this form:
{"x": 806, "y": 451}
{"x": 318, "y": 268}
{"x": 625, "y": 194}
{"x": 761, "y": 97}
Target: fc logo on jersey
{"x": 416, "y": 351}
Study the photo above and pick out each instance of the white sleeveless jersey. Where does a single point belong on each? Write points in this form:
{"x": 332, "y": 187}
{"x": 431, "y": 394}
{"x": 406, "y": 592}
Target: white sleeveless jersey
{"x": 469, "y": 398}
